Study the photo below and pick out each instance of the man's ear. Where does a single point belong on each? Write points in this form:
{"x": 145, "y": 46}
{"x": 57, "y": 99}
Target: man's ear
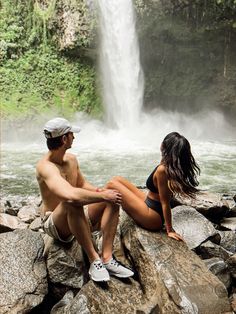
{"x": 64, "y": 137}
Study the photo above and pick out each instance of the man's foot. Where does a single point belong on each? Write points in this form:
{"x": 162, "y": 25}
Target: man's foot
{"x": 98, "y": 272}
{"x": 116, "y": 269}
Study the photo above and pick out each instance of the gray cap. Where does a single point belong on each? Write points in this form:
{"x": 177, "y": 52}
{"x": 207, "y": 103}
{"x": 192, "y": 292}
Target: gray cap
{"x": 58, "y": 127}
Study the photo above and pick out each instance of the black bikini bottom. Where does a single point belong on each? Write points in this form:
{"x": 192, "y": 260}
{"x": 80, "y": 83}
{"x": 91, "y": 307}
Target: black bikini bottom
{"x": 155, "y": 205}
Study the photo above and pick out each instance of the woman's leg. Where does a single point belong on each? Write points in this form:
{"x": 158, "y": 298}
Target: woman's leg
{"x": 133, "y": 203}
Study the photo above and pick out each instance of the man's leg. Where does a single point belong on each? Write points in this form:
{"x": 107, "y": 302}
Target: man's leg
{"x": 108, "y": 214}
{"x": 69, "y": 219}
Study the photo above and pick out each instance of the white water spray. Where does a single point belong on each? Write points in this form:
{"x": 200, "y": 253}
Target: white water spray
{"x": 122, "y": 75}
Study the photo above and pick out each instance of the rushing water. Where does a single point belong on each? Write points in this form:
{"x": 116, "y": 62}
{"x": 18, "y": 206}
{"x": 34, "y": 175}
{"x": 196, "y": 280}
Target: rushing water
{"x": 122, "y": 75}
{"x": 133, "y": 153}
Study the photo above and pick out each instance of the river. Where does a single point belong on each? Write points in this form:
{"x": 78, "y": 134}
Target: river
{"x": 103, "y": 152}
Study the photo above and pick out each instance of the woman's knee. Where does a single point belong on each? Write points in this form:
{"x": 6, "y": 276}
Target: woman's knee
{"x": 113, "y": 182}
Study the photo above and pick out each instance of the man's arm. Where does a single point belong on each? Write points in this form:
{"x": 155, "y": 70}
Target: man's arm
{"x": 66, "y": 192}
{"x": 83, "y": 183}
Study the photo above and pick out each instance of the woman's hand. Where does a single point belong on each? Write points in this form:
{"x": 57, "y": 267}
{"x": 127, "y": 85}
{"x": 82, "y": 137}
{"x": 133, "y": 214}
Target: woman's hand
{"x": 174, "y": 235}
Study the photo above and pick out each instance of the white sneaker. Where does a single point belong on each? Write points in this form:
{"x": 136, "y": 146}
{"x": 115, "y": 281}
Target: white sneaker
{"x": 116, "y": 269}
{"x": 98, "y": 272}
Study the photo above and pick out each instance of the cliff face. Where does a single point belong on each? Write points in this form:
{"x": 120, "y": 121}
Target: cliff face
{"x": 188, "y": 54}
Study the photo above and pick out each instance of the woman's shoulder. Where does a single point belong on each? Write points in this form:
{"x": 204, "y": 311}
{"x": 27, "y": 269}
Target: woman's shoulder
{"x": 161, "y": 169}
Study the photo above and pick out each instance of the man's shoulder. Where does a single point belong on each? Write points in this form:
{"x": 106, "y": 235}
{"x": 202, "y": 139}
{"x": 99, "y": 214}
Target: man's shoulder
{"x": 70, "y": 157}
{"x": 43, "y": 163}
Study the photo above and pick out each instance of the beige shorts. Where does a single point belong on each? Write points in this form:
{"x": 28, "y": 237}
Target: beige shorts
{"x": 50, "y": 228}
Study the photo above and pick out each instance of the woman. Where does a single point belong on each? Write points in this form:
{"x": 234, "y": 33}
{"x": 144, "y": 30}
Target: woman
{"x": 175, "y": 175}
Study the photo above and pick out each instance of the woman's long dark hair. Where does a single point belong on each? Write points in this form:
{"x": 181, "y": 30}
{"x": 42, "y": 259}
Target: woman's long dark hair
{"x": 181, "y": 168}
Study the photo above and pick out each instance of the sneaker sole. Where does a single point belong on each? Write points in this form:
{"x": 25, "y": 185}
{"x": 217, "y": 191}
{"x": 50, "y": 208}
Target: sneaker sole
{"x": 120, "y": 276}
{"x": 101, "y": 280}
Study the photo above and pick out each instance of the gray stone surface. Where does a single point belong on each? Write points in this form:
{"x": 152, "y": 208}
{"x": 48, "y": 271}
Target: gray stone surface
{"x": 23, "y": 282}
{"x": 173, "y": 274}
{"x": 193, "y": 226}
{"x": 211, "y": 205}
{"x": 9, "y": 223}
{"x": 228, "y": 240}
{"x": 229, "y": 223}
{"x": 27, "y": 213}
{"x": 65, "y": 264}
{"x": 219, "y": 268}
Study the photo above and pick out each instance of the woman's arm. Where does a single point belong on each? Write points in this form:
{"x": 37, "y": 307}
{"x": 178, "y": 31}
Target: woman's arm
{"x": 165, "y": 195}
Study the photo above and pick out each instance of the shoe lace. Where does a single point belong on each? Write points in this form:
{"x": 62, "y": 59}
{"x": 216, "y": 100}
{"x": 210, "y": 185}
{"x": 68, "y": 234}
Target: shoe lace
{"x": 98, "y": 265}
{"x": 114, "y": 263}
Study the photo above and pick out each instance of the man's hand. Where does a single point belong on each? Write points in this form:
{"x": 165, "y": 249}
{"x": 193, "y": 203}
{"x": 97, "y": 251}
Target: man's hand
{"x": 112, "y": 196}
{"x": 174, "y": 235}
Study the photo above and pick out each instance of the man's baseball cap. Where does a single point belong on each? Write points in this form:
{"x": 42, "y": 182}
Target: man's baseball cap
{"x": 58, "y": 127}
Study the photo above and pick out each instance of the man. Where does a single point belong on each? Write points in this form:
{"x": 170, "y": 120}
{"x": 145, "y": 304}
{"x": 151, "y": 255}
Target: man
{"x": 64, "y": 193}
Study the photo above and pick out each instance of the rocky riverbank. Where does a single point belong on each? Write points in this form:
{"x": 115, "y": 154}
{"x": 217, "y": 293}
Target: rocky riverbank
{"x": 40, "y": 275}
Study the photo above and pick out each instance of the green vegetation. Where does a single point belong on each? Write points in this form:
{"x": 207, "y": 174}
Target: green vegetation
{"x": 34, "y": 76}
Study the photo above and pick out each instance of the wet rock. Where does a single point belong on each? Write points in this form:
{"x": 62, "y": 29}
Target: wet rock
{"x": 219, "y": 268}
{"x": 9, "y": 223}
{"x": 229, "y": 223}
{"x": 65, "y": 264}
{"x": 210, "y": 249}
{"x": 27, "y": 213}
{"x": 193, "y": 226}
{"x": 228, "y": 240}
{"x": 212, "y": 206}
{"x": 23, "y": 272}
{"x": 171, "y": 275}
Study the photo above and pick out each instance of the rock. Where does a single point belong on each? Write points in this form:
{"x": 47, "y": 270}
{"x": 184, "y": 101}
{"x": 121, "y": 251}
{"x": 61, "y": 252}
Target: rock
{"x": 9, "y": 223}
{"x": 232, "y": 212}
{"x": 73, "y": 24}
{"x": 219, "y": 268}
{"x": 115, "y": 297}
{"x": 210, "y": 249}
{"x": 36, "y": 224}
{"x": 228, "y": 240}
{"x": 229, "y": 223}
{"x": 27, "y": 213}
{"x": 65, "y": 264}
{"x": 193, "y": 226}
{"x": 171, "y": 275}
{"x": 233, "y": 302}
{"x": 212, "y": 206}
{"x": 232, "y": 265}
{"x": 23, "y": 272}
{"x": 66, "y": 300}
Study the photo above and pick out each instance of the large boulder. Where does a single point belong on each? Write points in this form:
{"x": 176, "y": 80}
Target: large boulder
{"x": 211, "y": 205}
{"x": 193, "y": 226}
{"x": 23, "y": 282}
{"x": 171, "y": 275}
{"x": 170, "y": 279}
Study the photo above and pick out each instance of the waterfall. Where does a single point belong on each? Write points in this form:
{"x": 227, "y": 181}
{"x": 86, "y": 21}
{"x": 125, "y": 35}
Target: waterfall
{"x": 122, "y": 76}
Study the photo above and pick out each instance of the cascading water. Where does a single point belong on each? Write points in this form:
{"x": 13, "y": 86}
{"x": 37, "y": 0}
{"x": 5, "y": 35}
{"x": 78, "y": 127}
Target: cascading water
{"x": 122, "y": 75}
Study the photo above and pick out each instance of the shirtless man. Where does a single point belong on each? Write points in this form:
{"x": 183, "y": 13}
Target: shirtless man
{"x": 64, "y": 193}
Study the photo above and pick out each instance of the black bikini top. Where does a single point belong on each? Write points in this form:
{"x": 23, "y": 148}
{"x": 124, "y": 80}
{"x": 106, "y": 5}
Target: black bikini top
{"x": 149, "y": 183}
